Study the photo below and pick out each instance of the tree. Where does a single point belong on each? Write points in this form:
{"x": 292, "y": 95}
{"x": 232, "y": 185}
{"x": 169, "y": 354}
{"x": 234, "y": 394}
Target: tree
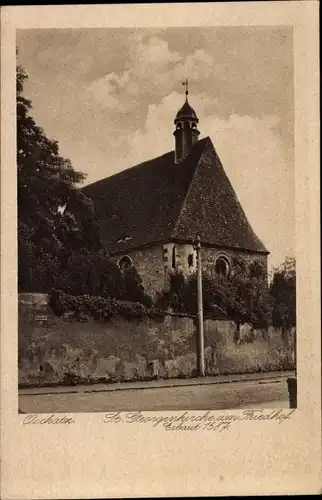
{"x": 283, "y": 294}
{"x": 133, "y": 288}
{"x": 247, "y": 294}
{"x": 93, "y": 273}
{"x": 242, "y": 296}
{"x": 59, "y": 243}
{"x": 47, "y": 183}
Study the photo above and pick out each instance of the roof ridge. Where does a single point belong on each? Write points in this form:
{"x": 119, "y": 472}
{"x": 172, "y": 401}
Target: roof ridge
{"x": 205, "y": 139}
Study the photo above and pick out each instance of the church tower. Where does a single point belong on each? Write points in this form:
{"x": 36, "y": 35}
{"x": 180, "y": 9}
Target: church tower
{"x": 186, "y": 132}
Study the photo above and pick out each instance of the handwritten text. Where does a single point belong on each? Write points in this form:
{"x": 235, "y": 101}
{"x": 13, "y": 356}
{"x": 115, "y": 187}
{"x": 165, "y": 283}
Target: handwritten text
{"x": 33, "y": 418}
{"x": 187, "y": 421}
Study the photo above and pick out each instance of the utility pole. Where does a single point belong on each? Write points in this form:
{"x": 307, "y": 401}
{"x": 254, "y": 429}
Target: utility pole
{"x": 201, "y": 357}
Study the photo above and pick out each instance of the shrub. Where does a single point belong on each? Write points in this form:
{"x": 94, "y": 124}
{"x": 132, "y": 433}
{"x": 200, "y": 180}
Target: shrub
{"x": 241, "y": 297}
{"x": 99, "y": 308}
{"x": 283, "y": 294}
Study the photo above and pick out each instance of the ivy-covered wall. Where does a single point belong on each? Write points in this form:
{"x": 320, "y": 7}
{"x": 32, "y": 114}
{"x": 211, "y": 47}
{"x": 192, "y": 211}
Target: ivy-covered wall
{"x": 55, "y": 350}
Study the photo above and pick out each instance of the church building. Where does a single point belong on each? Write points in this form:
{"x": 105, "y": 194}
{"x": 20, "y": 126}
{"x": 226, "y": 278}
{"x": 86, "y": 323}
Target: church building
{"x": 150, "y": 215}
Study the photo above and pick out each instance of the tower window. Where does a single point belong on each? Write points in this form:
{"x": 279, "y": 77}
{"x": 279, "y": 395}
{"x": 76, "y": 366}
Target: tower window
{"x": 174, "y": 257}
{"x": 125, "y": 262}
{"x": 222, "y": 266}
{"x": 190, "y": 260}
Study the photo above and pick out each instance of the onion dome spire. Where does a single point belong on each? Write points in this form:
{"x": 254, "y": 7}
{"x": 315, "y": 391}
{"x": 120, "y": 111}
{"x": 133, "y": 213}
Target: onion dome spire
{"x": 186, "y": 132}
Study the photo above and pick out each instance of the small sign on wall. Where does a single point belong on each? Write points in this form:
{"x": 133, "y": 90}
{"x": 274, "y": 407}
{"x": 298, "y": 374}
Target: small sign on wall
{"x": 41, "y": 318}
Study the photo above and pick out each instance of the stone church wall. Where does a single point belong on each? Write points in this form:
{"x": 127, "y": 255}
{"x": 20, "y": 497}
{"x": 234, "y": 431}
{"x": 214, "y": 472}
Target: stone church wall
{"x": 154, "y": 264}
{"x": 62, "y": 351}
{"x": 209, "y": 256}
{"x": 149, "y": 264}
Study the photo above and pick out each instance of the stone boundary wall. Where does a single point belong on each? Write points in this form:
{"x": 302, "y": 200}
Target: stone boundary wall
{"x": 62, "y": 351}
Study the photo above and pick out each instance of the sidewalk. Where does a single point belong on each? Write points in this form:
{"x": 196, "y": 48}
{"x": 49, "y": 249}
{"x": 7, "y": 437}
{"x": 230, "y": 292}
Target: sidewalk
{"x": 156, "y": 384}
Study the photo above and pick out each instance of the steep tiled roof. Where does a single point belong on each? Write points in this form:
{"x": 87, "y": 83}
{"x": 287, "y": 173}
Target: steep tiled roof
{"x": 212, "y": 209}
{"x": 160, "y": 200}
{"x": 144, "y": 202}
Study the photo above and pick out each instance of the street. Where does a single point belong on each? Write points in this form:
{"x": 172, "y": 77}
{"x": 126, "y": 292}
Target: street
{"x": 257, "y": 393}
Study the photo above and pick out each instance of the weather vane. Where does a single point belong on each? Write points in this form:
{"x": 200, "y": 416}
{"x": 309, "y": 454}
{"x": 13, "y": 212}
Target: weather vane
{"x": 185, "y": 84}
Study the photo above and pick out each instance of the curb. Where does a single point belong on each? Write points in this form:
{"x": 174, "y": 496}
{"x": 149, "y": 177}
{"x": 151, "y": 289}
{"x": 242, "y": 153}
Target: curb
{"x": 115, "y": 387}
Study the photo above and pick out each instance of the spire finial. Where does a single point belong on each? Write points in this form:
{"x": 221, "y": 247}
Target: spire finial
{"x": 186, "y": 85}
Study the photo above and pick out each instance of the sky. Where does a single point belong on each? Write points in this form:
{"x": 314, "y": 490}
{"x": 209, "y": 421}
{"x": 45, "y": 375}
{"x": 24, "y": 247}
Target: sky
{"x": 109, "y": 97}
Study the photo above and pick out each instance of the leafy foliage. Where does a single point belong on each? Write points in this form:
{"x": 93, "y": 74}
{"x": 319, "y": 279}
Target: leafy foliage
{"x": 241, "y": 297}
{"x": 47, "y": 183}
{"x": 248, "y": 291}
{"x": 133, "y": 288}
{"x": 59, "y": 243}
{"x": 283, "y": 294}
{"x": 99, "y": 308}
{"x": 182, "y": 296}
{"x": 95, "y": 274}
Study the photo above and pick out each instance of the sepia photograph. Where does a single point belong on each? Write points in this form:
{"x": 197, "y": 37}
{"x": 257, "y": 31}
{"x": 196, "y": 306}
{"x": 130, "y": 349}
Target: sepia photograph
{"x": 160, "y": 250}
{"x": 156, "y": 219}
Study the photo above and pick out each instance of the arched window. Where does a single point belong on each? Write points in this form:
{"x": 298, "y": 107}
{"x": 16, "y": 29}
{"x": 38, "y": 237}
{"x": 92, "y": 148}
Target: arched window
{"x": 125, "y": 262}
{"x": 222, "y": 266}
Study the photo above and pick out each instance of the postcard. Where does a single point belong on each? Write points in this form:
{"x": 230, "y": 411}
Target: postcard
{"x": 160, "y": 250}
